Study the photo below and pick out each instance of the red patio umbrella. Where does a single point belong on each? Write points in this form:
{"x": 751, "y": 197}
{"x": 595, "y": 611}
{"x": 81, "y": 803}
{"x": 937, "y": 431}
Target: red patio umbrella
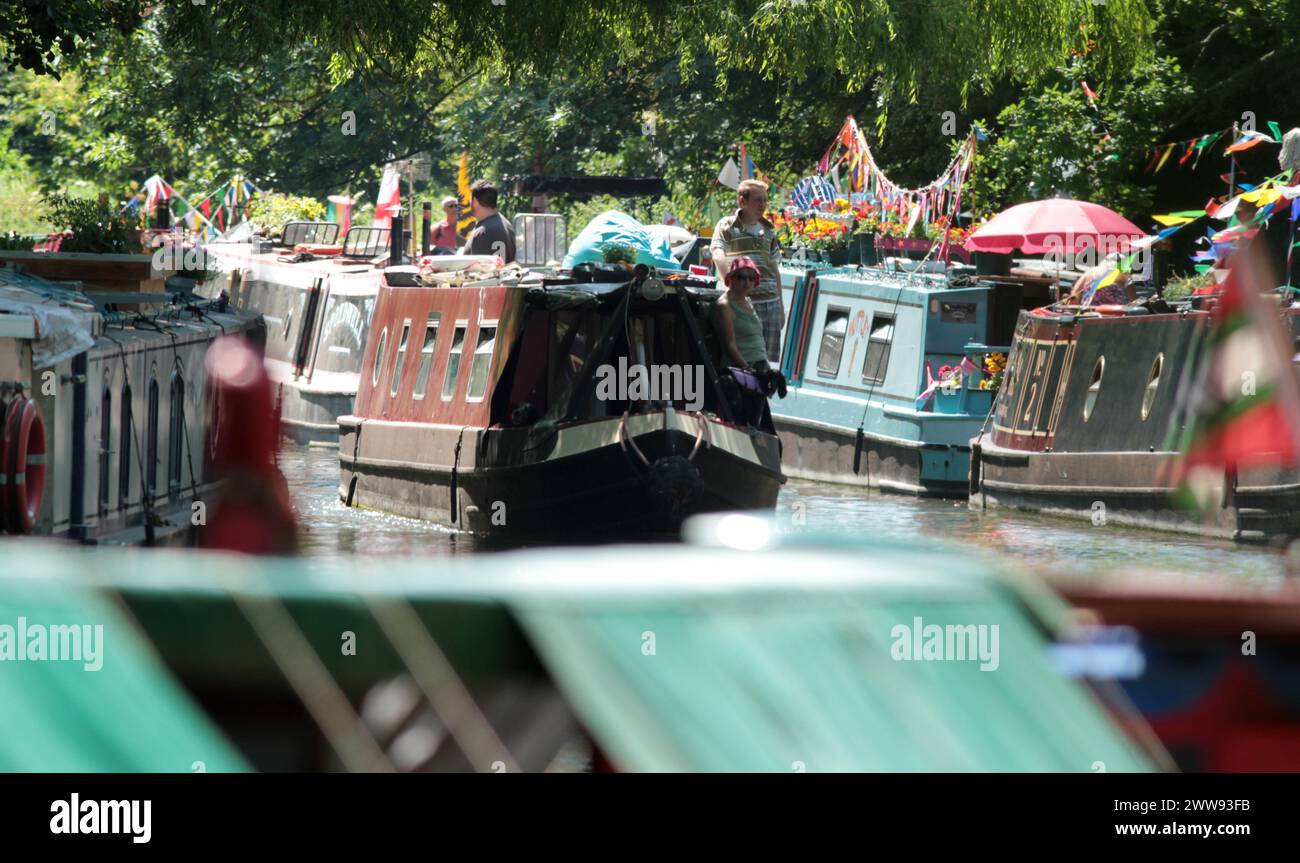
{"x": 1054, "y": 225}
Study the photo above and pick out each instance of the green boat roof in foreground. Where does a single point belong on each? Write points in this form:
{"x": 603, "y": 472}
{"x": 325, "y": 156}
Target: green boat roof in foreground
{"x": 699, "y": 657}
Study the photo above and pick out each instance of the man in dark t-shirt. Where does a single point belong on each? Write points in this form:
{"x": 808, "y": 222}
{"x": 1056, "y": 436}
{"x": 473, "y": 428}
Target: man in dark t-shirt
{"x": 492, "y": 235}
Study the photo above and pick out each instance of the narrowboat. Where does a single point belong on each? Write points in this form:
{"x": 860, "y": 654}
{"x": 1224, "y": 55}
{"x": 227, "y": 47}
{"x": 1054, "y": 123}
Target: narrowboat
{"x": 862, "y": 346}
{"x": 535, "y": 404}
{"x": 317, "y": 295}
{"x": 738, "y": 650}
{"x": 104, "y": 423}
{"x": 1080, "y": 426}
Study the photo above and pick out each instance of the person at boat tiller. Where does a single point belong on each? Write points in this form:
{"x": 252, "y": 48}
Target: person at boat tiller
{"x": 741, "y": 333}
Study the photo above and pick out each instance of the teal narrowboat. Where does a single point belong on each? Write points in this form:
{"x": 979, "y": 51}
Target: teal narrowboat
{"x": 864, "y": 352}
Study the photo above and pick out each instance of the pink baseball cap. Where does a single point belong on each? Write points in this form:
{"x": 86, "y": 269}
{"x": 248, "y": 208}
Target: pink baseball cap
{"x": 744, "y": 262}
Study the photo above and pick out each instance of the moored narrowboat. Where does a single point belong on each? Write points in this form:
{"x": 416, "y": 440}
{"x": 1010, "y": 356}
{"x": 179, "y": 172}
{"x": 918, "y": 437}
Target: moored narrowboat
{"x": 103, "y": 421}
{"x": 1081, "y": 423}
{"x": 864, "y": 350}
{"x": 525, "y": 404}
{"x": 317, "y": 294}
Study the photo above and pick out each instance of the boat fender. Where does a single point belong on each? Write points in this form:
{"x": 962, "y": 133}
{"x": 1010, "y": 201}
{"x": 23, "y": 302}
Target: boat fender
{"x": 24, "y": 450}
{"x": 675, "y": 484}
{"x": 1109, "y": 309}
{"x": 857, "y": 451}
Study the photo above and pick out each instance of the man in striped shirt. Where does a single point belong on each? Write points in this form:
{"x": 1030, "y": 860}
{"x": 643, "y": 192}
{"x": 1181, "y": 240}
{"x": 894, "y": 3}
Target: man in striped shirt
{"x": 747, "y": 232}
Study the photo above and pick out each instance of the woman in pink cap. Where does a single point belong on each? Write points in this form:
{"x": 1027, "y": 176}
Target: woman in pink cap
{"x": 738, "y": 325}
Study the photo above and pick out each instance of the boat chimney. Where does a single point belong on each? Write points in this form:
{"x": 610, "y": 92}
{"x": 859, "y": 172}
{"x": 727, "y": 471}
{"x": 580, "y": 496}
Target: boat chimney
{"x": 426, "y": 244}
{"x": 396, "y": 241}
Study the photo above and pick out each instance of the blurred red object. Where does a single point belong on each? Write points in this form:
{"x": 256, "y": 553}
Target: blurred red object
{"x": 251, "y": 512}
{"x": 699, "y": 270}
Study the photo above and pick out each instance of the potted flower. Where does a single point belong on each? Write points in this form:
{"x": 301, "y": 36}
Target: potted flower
{"x": 622, "y": 255}
{"x": 865, "y": 227}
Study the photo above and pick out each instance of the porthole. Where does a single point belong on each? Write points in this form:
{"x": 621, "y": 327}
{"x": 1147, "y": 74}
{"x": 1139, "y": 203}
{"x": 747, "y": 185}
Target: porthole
{"x": 1094, "y": 388}
{"x": 379, "y": 358}
{"x": 1153, "y": 385}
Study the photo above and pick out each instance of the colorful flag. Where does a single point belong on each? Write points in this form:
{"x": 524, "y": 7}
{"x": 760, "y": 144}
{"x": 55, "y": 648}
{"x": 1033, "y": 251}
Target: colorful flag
{"x": 389, "y": 201}
{"x": 463, "y": 191}
{"x": 1246, "y": 141}
{"x": 1240, "y": 403}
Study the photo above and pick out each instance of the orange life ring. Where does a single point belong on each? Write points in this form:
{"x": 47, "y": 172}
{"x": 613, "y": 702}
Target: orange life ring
{"x": 24, "y": 451}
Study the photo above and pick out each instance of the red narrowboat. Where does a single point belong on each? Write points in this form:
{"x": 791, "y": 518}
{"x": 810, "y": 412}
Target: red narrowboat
{"x": 553, "y": 405}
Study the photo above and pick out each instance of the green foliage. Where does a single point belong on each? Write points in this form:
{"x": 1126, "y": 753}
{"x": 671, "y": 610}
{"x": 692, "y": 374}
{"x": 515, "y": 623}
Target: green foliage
{"x": 96, "y": 224}
{"x": 38, "y": 36}
{"x": 1181, "y": 287}
{"x": 271, "y": 210}
{"x": 619, "y": 255}
{"x": 1054, "y": 142}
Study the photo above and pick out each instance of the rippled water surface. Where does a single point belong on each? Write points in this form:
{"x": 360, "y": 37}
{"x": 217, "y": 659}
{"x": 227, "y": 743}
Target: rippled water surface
{"x": 1048, "y": 544}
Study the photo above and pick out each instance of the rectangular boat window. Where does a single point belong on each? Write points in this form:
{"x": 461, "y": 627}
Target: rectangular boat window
{"x": 401, "y": 358}
{"x": 836, "y": 325}
{"x": 453, "y": 361}
{"x": 877, "y": 361}
{"x": 478, "y": 372}
{"x": 426, "y": 356}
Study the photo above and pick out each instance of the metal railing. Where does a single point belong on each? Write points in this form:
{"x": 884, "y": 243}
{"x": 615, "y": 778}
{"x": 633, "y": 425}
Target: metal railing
{"x": 540, "y": 238}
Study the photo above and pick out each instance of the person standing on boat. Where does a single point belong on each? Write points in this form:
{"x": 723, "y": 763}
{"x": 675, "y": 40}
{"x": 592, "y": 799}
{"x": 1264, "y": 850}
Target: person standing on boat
{"x": 445, "y": 235}
{"x": 743, "y": 343}
{"x": 492, "y": 234}
{"x": 739, "y": 327}
{"x": 747, "y": 232}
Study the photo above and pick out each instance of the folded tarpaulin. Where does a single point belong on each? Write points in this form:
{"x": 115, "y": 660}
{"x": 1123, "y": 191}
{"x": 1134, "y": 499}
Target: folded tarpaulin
{"x": 587, "y": 187}
{"x": 61, "y": 332}
{"x": 612, "y": 228}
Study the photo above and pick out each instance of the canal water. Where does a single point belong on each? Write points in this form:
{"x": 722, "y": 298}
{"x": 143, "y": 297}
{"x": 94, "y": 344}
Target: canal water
{"x": 331, "y": 530}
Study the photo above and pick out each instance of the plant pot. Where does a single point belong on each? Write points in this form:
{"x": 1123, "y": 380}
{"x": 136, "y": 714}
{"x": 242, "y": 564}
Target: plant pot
{"x": 838, "y": 257}
{"x": 864, "y": 250}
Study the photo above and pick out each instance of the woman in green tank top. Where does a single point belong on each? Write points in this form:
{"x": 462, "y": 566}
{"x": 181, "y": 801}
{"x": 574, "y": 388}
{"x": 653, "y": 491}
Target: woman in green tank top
{"x": 738, "y": 325}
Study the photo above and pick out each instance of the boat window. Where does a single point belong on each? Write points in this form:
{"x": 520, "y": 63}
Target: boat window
{"x": 401, "y": 358}
{"x": 105, "y": 441}
{"x": 878, "y": 344}
{"x": 176, "y": 432}
{"x": 1094, "y": 388}
{"x": 126, "y": 438}
{"x": 478, "y": 372}
{"x": 1153, "y": 385}
{"x": 343, "y": 334}
{"x": 151, "y": 440}
{"x": 288, "y": 324}
{"x": 426, "y": 356}
{"x": 379, "y": 357}
{"x": 833, "y": 330}
{"x": 453, "y": 361}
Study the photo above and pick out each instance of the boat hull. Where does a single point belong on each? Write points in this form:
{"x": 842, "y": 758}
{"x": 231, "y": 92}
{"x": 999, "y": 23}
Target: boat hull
{"x": 824, "y": 453}
{"x": 597, "y": 482}
{"x": 1129, "y": 489}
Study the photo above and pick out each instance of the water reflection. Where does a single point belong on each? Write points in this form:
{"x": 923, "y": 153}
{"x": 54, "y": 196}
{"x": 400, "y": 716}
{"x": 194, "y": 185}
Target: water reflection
{"x": 331, "y": 530}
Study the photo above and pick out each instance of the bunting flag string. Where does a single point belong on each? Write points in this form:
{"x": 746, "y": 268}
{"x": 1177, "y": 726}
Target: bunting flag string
{"x": 937, "y": 200}
{"x": 1193, "y": 148}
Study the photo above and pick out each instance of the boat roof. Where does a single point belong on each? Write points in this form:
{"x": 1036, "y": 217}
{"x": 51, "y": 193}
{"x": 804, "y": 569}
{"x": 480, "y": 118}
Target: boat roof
{"x": 766, "y": 652}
